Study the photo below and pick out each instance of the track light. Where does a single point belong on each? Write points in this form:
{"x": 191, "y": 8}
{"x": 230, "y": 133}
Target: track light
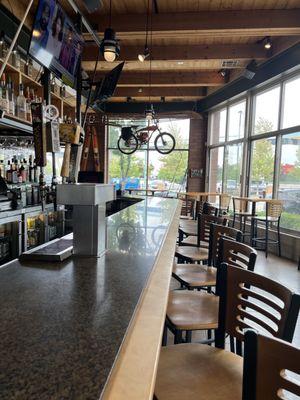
{"x": 110, "y": 47}
{"x": 267, "y": 43}
{"x": 143, "y": 56}
{"x": 250, "y": 70}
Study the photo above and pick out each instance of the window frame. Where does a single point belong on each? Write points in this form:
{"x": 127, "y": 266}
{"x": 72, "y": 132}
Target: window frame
{"x": 249, "y": 137}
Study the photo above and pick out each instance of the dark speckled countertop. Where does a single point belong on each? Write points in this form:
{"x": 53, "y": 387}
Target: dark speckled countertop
{"x": 61, "y": 325}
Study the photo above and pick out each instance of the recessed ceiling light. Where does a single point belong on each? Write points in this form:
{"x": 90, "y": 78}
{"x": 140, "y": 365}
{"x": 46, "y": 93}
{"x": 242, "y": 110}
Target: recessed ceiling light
{"x": 180, "y": 62}
{"x": 140, "y": 90}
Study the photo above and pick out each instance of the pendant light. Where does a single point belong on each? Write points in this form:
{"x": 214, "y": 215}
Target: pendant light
{"x": 149, "y": 112}
{"x": 146, "y": 53}
{"x": 110, "y": 47}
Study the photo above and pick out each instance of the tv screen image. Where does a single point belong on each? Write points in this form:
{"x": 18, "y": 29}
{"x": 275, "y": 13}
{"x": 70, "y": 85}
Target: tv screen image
{"x": 54, "y": 42}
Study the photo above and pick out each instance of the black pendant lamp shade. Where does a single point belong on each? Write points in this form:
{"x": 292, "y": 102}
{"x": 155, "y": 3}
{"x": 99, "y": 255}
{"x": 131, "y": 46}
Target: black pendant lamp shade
{"x": 110, "y": 47}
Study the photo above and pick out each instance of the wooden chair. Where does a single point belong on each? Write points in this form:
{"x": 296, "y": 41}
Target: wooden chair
{"x": 194, "y": 276}
{"x": 193, "y": 371}
{"x": 189, "y": 311}
{"x": 241, "y": 212}
{"x": 272, "y": 217}
{"x": 188, "y": 206}
{"x": 266, "y": 362}
{"x": 198, "y": 253}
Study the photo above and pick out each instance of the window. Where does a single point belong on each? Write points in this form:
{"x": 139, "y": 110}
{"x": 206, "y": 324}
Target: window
{"x": 233, "y": 169}
{"x": 218, "y": 126}
{"x": 266, "y": 111}
{"x": 216, "y": 169}
{"x": 236, "y": 129}
{"x": 291, "y": 115}
{"x": 146, "y": 168}
{"x": 262, "y": 168}
{"x": 289, "y": 181}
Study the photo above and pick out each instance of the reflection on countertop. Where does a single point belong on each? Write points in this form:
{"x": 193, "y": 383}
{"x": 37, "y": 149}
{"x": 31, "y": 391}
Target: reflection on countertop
{"x": 61, "y": 327}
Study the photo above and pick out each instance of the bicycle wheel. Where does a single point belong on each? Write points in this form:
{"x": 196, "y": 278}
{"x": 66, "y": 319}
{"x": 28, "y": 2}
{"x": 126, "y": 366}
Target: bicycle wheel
{"x": 128, "y": 146}
{"x": 164, "y": 143}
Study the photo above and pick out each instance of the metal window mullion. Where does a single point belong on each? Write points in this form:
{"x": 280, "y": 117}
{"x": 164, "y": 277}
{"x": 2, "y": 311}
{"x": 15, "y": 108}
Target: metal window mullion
{"x": 277, "y": 160}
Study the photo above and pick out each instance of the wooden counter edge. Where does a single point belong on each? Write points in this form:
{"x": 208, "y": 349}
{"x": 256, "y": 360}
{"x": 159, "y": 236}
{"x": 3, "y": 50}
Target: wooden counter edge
{"x": 134, "y": 371}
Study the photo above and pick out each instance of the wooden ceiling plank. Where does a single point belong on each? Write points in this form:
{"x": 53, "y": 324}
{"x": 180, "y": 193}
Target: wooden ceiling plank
{"x": 210, "y": 23}
{"x": 186, "y": 52}
{"x": 160, "y": 92}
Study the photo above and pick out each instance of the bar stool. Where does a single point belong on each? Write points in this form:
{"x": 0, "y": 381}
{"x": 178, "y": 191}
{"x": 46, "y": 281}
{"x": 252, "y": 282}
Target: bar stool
{"x": 196, "y": 253}
{"x": 241, "y": 211}
{"x": 194, "y": 276}
{"x": 192, "y": 310}
{"x": 193, "y": 371}
{"x": 272, "y": 217}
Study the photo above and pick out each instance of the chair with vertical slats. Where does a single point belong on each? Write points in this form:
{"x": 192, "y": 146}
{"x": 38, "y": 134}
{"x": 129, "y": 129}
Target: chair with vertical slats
{"x": 246, "y": 300}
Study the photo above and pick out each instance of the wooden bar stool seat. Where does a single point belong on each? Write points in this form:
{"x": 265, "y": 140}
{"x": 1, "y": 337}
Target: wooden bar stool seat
{"x": 192, "y": 253}
{"x": 198, "y": 279}
{"x": 179, "y": 269}
{"x": 196, "y": 371}
{"x": 192, "y": 241}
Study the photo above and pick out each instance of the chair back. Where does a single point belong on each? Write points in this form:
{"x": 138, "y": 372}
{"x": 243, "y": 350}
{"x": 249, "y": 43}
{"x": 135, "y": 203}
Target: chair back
{"x": 274, "y": 208}
{"x": 249, "y": 300}
{"x": 204, "y": 222}
{"x": 268, "y": 364}
{"x": 188, "y": 204}
{"x": 224, "y": 201}
{"x": 240, "y": 205}
{"x": 216, "y": 232}
{"x": 209, "y": 209}
{"x": 238, "y": 254}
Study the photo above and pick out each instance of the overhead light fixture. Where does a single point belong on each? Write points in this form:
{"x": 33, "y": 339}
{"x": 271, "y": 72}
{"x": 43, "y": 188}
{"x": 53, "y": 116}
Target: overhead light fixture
{"x": 149, "y": 112}
{"x": 225, "y": 73}
{"x": 140, "y": 90}
{"x": 250, "y": 70}
{"x": 142, "y": 57}
{"x": 267, "y": 43}
{"x": 110, "y": 47}
{"x": 180, "y": 62}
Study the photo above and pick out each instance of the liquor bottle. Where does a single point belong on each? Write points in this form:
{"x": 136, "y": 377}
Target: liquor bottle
{"x": 15, "y": 170}
{"x": 21, "y": 103}
{"x": 2, "y": 172}
{"x": 11, "y": 97}
{"x": 16, "y": 59}
{"x": 22, "y": 173}
{"x": 30, "y": 172}
{"x": 4, "y": 94}
{"x": 28, "y": 68}
{"x": 35, "y": 174}
{"x": 26, "y": 170}
{"x": 28, "y": 105}
{"x": 8, "y": 172}
{"x": 3, "y": 46}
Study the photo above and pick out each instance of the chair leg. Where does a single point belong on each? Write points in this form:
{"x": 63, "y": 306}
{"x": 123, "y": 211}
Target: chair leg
{"x": 188, "y": 337}
{"x": 232, "y": 347}
{"x": 278, "y": 238}
{"x": 178, "y": 337}
{"x": 233, "y": 221}
{"x": 165, "y": 335}
{"x": 267, "y": 238}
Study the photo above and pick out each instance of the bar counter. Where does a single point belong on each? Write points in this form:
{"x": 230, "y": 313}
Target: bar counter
{"x": 90, "y": 327}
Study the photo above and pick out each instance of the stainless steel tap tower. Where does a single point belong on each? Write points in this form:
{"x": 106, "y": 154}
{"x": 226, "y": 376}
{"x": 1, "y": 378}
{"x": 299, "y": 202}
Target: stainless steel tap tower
{"x": 89, "y": 215}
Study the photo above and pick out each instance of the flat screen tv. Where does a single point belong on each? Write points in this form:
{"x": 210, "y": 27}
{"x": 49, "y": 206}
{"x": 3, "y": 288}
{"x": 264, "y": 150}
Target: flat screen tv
{"x": 105, "y": 88}
{"x": 55, "y": 42}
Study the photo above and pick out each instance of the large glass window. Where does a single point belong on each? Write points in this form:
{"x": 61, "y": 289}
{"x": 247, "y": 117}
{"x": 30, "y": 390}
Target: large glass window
{"x": 266, "y": 111}
{"x": 233, "y": 169}
{"x": 236, "y": 127}
{"x": 262, "y": 168}
{"x": 291, "y": 115}
{"x": 289, "y": 181}
{"x": 146, "y": 168}
{"x": 216, "y": 169}
{"x": 218, "y": 126}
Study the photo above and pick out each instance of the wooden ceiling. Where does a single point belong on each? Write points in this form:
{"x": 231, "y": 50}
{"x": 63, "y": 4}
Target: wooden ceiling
{"x": 190, "y": 41}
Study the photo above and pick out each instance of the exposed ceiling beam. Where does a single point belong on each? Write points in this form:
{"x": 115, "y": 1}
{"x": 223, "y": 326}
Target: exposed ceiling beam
{"x": 186, "y": 52}
{"x": 160, "y": 92}
{"x": 169, "y": 78}
{"x": 207, "y": 23}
